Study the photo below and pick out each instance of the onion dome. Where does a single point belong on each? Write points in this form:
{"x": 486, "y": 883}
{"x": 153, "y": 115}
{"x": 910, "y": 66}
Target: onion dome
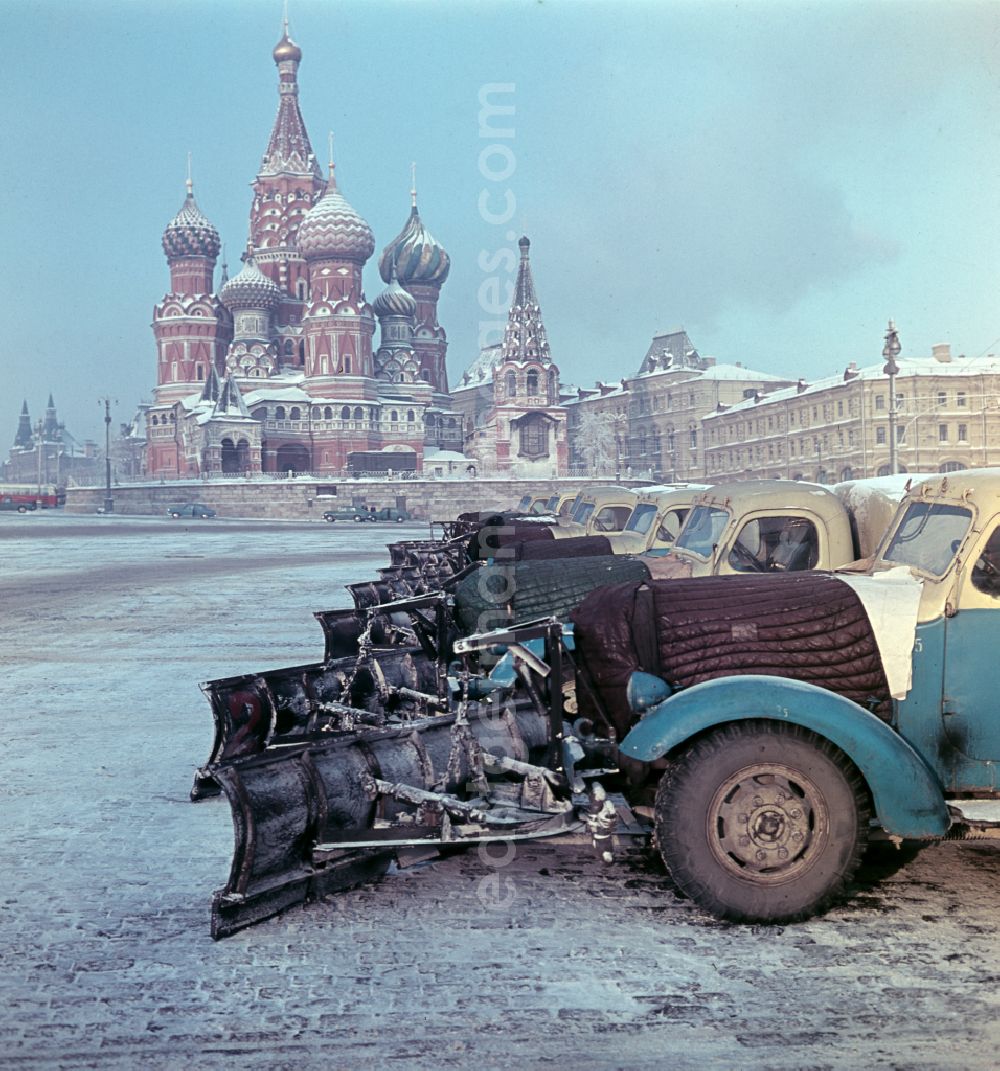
{"x": 331, "y": 229}
{"x": 394, "y": 300}
{"x": 250, "y": 289}
{"x": 190, "y": 234}
{"x": 287, "y": 49}
{"x": 418, "y": 256}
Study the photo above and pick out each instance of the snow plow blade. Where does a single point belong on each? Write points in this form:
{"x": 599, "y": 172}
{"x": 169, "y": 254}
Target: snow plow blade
{"x": 320, "y": 816}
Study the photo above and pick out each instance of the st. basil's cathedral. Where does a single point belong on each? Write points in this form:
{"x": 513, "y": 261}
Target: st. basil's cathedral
{"x": 276, "y": 371}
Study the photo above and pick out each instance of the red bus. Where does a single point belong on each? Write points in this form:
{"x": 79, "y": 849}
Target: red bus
{"x": 27, "y": 496}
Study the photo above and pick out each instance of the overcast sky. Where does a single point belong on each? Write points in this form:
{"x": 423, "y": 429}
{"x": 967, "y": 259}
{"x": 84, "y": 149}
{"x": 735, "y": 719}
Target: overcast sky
{"x": 777, "y": 178}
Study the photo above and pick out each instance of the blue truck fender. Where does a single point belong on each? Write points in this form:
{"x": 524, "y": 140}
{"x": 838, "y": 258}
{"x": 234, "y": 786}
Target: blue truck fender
{"x": 908, "y": 798}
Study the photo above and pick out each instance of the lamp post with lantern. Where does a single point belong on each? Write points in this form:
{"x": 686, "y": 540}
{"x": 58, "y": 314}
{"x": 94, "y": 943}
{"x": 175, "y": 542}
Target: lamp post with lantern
{"x": 890, "y": 351}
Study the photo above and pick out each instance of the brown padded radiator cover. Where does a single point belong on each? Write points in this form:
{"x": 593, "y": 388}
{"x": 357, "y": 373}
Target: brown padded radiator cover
{"x": 808, "y": 626}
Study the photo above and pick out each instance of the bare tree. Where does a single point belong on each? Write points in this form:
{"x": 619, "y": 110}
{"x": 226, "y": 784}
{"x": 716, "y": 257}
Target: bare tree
{"x": 596, "y": 439}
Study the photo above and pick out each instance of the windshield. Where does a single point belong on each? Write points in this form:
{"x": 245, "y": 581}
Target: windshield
{"x": 524, "y": 503}
{"x": 550, "y": 506}
{"x": 928, "y": 537}
{"x": 583, "y": 512}
{"x": 702, "y": 530}
{"x": 670, "y": 526}
{"x": 641, "y": 519}
{"x": 577, "y": 509}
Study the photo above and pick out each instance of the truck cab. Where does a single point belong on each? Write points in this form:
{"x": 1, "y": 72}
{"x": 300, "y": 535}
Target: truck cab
{"x": 761, "y": 526}
{"x": 598, "y": 511}
{"x": 773, "y": 787}
{"x": 656, "y": 519}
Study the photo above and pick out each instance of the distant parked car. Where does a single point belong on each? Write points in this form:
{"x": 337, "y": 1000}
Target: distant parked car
{"x": 347, "y": 513}
{"x": 190, "y": 509}
{"x": 390, "y": 513}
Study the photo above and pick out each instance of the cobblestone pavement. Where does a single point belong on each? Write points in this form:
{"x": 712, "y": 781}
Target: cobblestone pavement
{"x": 545, "y": 959}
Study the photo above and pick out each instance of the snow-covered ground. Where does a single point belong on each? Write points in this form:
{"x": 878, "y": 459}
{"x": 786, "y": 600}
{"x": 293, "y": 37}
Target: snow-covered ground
{"x": 545, "y": 958}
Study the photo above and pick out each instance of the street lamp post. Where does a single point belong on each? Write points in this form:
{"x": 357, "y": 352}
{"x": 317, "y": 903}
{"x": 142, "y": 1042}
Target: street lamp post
{"x": 890, "y": 351}
{"x": 109, "y": 502}
{"x": 38, "y": 456}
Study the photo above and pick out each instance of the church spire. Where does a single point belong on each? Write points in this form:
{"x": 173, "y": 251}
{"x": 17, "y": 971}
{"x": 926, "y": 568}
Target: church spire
{"x": 288, "y": 150}
{"x": 525, "y": 338}
{"x": 24, "y": 437}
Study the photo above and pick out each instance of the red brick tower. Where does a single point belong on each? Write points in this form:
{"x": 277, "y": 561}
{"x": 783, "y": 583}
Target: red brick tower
{"x": 289, "y": 183}
{"x": 191, "y": 327}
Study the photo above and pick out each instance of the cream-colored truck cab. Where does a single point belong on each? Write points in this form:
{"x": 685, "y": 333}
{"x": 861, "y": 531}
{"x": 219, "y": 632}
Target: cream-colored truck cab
{"x": 657, "y": 519}
{"x": 767, "y": 526}
{"x": 560, "y": 503}
{"x": 598, "y": 511}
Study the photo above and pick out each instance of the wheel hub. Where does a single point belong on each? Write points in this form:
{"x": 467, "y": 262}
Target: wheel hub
{"x": 766, "y": 821}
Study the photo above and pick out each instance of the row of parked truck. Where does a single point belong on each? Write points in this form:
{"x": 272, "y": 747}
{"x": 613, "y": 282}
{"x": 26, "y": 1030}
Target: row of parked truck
{"x": 762, "y": 677}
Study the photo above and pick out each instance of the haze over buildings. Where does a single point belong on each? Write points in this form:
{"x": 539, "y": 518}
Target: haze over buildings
{"x": 777, "y": 181}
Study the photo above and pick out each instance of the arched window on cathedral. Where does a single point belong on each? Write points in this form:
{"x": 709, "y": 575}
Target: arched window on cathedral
{"x": 393, "y": 416}
{"x": 155, "y": 421}
{"x": 279, "y": 413}
{"x": 199, "y": 371}
{"x": 302, "y": 352}
{"x": 425, "y": 375}
{"x": 511, "y": 384}
{"x": 532, "y": 382}
{"x": 358, "y": 413}
{"x": 300, "y": 289}
{"x": 260, "y": 414}
{"x": 295, "y": 413}
{"x": 347, "y": 364}
{"x": 289, "y": 348}
{"x": 345, "y": 413}
{"x": 327, "y": 412}
{"x": 410, "y": 415}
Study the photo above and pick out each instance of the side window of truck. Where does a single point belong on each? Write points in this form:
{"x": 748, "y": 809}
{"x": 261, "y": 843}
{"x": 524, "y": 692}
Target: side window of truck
{"x": 775, "y": 545}
{"x": 986, "y": 571}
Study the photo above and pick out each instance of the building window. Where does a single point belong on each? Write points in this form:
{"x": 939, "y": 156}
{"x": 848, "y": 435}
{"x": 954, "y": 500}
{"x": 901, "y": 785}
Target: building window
{"x": 511, "y": 384}
{"x": 327, "y": 412}
{"x": 960, "y": 399}
{"x": 279, "y": 413}
{"x": 942, "y": 433}
{"x": 393, "y": 416}
{"x": 534, "y": 436}
{"x": 345, "y": 413}
{"x": 532, "y": 382}
{"x": 879, "y": 401}
{"x": 901, "y": 435}
{"x": 880, "y": 436}
{"x": 963, "y": 433}
{"x": 942, "y": 398}
{"x": 295, "y": 413}
{"x": 358, "y": 413}
{"x": 694, "y": 438}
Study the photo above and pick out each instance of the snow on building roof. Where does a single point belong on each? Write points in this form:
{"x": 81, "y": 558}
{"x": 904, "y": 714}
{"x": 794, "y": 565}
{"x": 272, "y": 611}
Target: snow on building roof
{"x": 909, "y": 367}
{"x": 434, "y": 454}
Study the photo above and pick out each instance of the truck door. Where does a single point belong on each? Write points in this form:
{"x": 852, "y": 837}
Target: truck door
{"x": 971, "y": 705}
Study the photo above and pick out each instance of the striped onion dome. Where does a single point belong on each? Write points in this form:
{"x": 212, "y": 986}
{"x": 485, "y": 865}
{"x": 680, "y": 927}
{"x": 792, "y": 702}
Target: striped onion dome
{"x": 418, "y": 256}
{"x": 394, "y": 300}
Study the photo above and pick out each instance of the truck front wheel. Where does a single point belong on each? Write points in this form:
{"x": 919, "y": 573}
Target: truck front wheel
{"x": 762, "y": 821}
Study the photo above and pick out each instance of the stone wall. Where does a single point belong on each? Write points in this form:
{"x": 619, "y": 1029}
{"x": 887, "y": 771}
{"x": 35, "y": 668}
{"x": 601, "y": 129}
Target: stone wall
{"x": 302, "y": 499}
